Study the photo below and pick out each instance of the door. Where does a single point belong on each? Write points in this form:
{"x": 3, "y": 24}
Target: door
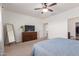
{"x": 46, "y": 30}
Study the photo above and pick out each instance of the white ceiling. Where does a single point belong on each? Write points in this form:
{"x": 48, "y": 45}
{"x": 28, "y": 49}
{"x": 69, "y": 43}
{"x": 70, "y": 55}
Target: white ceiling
{"x": 28, "y": 8}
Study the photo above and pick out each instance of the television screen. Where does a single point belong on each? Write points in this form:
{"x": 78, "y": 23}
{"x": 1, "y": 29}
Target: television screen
{"x": 29, "y": 28}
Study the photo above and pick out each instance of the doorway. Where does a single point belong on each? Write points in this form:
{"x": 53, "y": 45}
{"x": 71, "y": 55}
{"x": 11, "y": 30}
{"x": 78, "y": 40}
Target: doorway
{"x": 45, "y": 29}
{"x": 77, "y": 31}
{"x": 73, "y": 28}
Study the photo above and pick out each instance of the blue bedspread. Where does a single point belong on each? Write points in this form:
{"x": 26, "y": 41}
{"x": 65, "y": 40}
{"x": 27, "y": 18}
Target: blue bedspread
{"x": 56, "y": 47}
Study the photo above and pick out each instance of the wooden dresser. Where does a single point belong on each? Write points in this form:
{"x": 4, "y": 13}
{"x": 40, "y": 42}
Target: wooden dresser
{"x": 28, "y": 36}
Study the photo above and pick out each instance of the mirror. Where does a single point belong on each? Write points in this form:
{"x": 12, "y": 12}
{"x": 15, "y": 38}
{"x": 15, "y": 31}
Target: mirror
{"x": 10, "y": 33}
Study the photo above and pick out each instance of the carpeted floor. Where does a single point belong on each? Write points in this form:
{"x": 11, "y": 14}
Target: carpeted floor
{"x": 20, "y": 49}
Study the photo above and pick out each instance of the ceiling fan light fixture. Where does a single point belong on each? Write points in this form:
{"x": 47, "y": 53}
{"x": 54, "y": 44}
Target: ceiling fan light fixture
{"x": 45, "y": 10}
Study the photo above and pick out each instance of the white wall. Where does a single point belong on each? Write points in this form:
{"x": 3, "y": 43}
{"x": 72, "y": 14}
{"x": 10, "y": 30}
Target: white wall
{"x": 1, "y": 34}
{"x": 58, "y": 24}
{"x": 72, "y": 26}
{"x": 18, "y": 20}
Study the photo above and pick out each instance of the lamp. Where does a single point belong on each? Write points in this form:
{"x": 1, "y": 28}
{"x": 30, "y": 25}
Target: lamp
{"x": 45, "y": 10}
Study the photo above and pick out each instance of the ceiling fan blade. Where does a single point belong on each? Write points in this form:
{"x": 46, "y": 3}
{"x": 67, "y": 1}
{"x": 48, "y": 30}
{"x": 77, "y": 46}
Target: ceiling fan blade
{"x": 50, "y": 10}
{"x": 52, "y": 4}
{"x": 37, "y": 8}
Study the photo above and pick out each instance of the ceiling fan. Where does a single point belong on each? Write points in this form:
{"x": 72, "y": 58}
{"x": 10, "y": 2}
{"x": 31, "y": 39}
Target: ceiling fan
{"x": 46, "y": 7}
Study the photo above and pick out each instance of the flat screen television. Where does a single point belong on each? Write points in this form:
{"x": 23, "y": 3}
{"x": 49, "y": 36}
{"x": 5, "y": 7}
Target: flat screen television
{"x": 29, "y": 28}
{"x": 77, "y": 30}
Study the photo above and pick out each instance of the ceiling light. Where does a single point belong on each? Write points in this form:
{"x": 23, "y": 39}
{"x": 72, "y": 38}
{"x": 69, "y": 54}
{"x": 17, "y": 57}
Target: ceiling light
{"x": 45, "y": 10}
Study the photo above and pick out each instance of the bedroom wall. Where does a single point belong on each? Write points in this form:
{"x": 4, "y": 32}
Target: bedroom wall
{"x": 1, "y": 34}
{"x": 58, "y": 24}
{"x": 18, "y": 20}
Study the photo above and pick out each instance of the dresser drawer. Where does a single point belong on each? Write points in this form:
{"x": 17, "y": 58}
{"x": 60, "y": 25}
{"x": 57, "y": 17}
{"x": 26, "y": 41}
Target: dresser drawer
{"x": 28, "y": 36}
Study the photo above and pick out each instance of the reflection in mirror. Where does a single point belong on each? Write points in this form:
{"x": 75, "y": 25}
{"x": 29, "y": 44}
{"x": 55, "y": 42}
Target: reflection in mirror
{"x": 10, "y": 33}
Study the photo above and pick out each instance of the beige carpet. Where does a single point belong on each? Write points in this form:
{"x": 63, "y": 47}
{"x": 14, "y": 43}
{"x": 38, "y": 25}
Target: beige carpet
{"x": 20, "y": 49}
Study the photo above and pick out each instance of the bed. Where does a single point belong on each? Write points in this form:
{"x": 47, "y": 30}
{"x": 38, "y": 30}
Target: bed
{"x": 56, "y": 47}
